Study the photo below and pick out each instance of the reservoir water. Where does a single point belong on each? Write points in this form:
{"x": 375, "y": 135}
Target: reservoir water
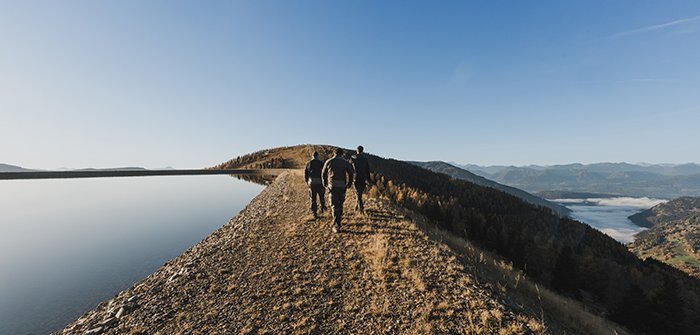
{"x": 609, "y": 215}
{"x": 68, "y": 244}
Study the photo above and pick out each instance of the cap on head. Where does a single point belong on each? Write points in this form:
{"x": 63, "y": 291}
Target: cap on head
{"x": 360, "y": 149}
{"x": 338, "y": 151}
{"x": 315, "y": 154}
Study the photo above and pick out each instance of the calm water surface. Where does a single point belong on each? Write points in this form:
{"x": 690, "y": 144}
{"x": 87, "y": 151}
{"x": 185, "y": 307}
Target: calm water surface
{"x": 68, "y": 244}
{"x": 609, "y": 215}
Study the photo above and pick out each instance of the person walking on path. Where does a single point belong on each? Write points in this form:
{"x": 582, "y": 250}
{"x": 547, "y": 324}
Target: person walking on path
{"x": 312, "y": 176}
{"x": 337, "y": 176}
{"x": 361, "y": 167}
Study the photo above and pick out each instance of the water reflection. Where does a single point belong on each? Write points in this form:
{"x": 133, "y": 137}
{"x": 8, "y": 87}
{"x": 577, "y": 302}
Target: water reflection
{"x": 68, "y": 244}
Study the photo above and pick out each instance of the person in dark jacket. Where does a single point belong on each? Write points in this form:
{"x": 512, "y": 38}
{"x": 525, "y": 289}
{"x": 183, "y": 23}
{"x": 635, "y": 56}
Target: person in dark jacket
{"x": 337, "y": 176}
{"x": 361, "y": 166}
{"x": 312, "y": 176}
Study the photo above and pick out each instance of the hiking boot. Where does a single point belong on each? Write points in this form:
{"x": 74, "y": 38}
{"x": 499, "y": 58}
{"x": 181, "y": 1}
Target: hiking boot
{"x": 336, "y": 228}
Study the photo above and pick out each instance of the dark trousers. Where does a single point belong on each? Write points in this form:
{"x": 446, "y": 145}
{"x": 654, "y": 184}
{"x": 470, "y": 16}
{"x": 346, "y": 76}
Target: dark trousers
{"x": 317, "y": 191}
{"x": 360, "y": 188}
{"x": 337, "y": 195}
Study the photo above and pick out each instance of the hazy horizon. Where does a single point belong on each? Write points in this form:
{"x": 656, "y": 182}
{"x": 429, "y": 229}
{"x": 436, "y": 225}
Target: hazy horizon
{"x": 449, "y": 162}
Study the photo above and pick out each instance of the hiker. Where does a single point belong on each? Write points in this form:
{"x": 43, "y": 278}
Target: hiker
{"x": 312, "y": 176}
{"x": 361, "y": 167}
{"x": 337, "y": 176}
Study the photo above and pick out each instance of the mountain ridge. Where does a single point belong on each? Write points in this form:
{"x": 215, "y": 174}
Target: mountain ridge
{"x": 457, "y": 172}
{"x": 661, "y": 168}
{"x": 559, "y": 194}
{"x": 659, "y": 181}
{"x": 13, "y": 168}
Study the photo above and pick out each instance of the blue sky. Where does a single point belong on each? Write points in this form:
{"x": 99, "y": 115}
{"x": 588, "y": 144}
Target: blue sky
{"x": 191, "y": 84}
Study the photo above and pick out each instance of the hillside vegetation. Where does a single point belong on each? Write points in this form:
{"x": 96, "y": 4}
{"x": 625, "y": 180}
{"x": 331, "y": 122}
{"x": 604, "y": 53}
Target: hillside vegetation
{"x": 565, "y": 255}
{"x": 674, "y": 236}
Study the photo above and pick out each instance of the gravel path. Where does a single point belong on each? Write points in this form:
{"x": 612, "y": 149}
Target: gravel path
{"x": 274, "y": 270}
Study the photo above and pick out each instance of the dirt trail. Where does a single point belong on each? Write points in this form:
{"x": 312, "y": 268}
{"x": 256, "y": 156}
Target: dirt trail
{"x": 273, "y": 269}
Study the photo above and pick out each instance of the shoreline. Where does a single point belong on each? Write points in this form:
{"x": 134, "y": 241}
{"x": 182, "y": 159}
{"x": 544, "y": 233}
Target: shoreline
{"x": 135, "y": 173}
{"x": 108, "y": 314}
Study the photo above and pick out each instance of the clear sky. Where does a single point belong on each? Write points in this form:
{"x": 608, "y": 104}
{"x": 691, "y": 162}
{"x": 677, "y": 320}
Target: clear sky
{"x": 194, "y": 83}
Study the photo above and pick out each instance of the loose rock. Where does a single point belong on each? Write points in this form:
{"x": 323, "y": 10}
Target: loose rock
{"x": 109, "y": 323}
{"x": 120, "y": 313}
{"x": 94, "y": 331}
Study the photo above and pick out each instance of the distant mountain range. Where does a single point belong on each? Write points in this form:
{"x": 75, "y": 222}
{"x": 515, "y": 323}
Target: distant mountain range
{"x": 128, "y": 168}
{"x": 663, "y": 169}
{"x": 658, "y": 180}
{"x": 573, "y": 195}
{"x": 674, "y": 234}
{"x": 12, "y": 168}
{"x": 459, "y": 173}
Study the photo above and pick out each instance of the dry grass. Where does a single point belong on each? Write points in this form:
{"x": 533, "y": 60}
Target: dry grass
{"x": 516, "y": 285}
{"x": 410, "y": 272}
{"x": 376, "y": 254}
{"x": 488, "y": 321}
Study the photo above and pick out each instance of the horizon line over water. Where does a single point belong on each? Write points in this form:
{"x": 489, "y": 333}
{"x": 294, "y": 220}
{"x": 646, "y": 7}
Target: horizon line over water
{"x": 483, "y": 165}
{"x": 133, "y": 173}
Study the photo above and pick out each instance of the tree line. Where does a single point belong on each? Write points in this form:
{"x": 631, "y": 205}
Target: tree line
{"x": 570, "y": 257}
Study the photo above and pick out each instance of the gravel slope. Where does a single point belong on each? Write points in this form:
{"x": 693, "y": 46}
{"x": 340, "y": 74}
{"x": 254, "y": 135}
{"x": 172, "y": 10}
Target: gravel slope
{"x": 273, "y": 269}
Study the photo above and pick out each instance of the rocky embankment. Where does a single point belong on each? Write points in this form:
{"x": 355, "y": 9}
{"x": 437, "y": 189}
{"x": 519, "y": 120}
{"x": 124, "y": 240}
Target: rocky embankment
{"x": 274, "y": 270}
